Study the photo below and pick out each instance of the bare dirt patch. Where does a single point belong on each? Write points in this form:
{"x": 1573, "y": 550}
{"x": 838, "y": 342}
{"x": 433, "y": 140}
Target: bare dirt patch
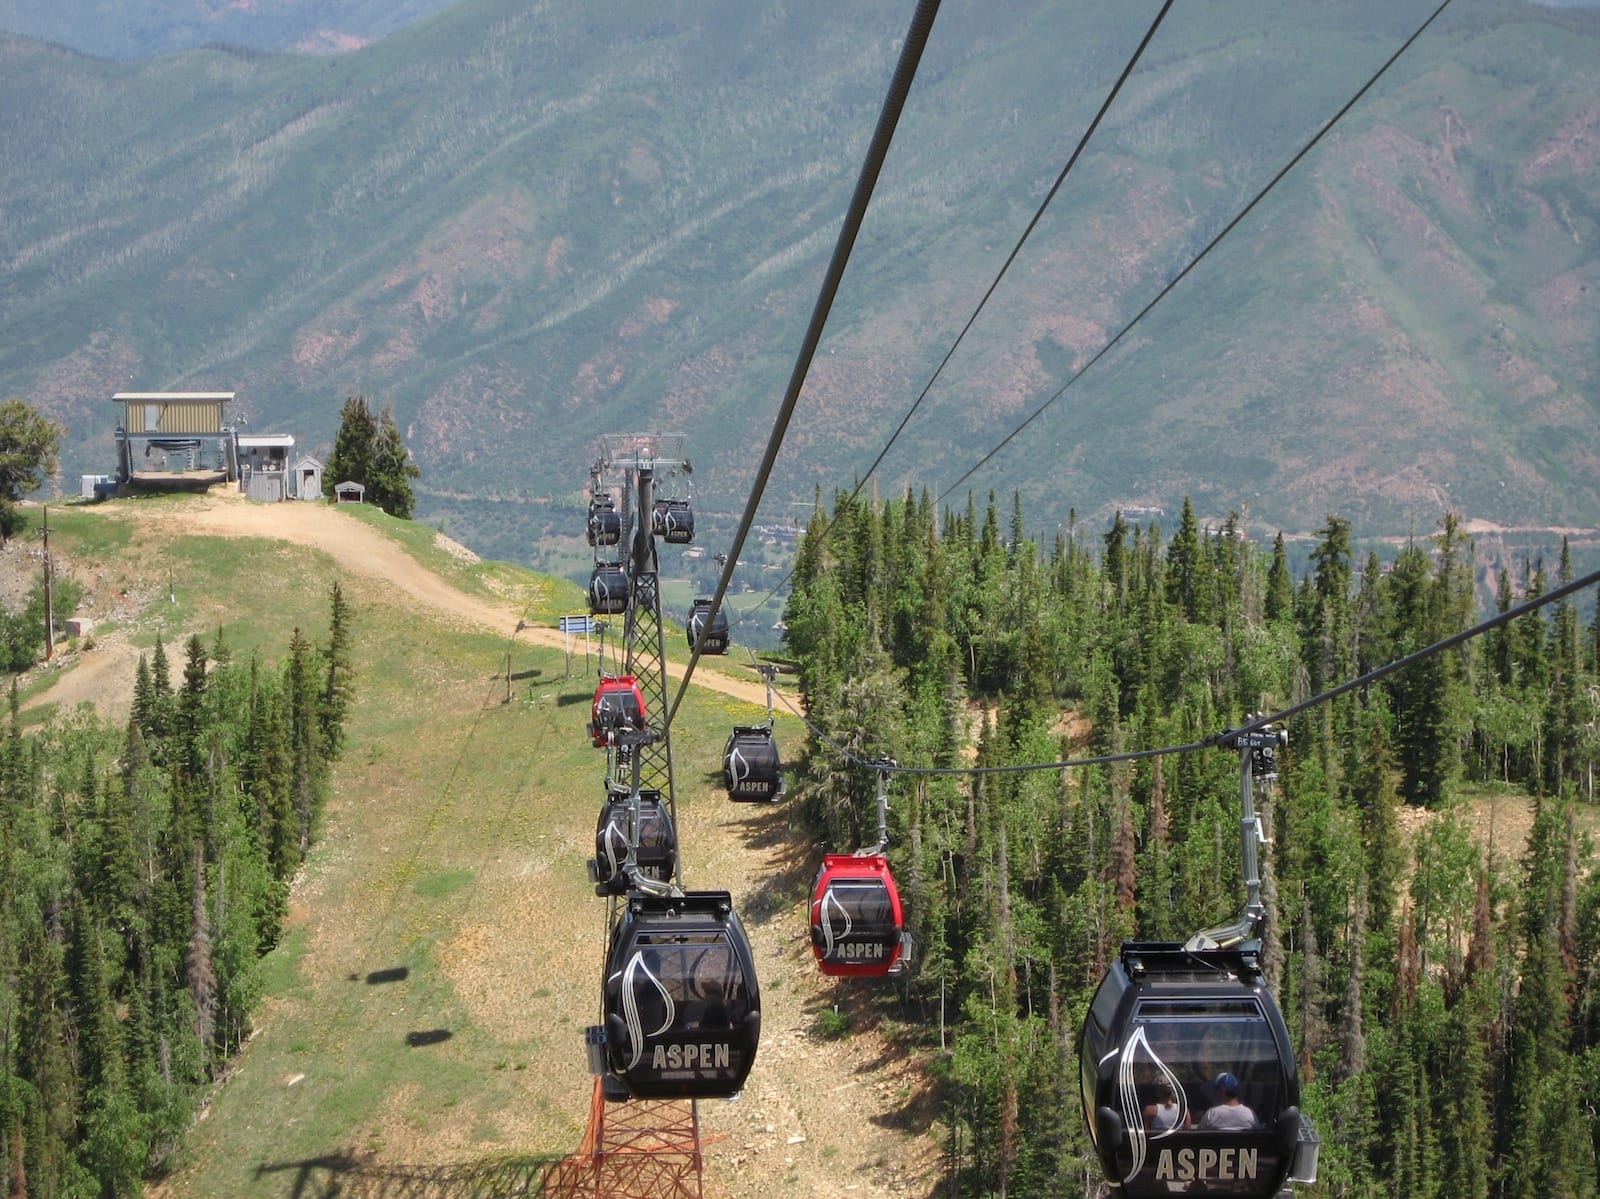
{"x": 359, "y": 549}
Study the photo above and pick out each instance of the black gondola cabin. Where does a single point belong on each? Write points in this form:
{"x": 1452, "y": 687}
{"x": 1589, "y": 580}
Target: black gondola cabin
{"x": 1188, "y": 1077}
{"x": 656, "y": 854}
{"x": 608, "y": 590}
{"x": 713, "y": 639}
{"x": 618, "y": 707}
{"x": 857, "y": 924}
{"x": 682, "y": 1004}
{"x": 750, "y": 764}
{"x": 605, "y": 522}
{"x": 673, "y": 521}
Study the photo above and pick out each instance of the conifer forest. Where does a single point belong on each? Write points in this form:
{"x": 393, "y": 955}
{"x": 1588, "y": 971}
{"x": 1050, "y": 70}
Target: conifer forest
{"x": 1439, "y": 979}
{"x": 1440, "y": 988}
{"x": 143, "y": 873}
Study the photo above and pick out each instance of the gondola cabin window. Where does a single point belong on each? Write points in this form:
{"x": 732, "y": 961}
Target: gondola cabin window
{"x": 656, "y": 854}
{"x": 1189, "y": 1045}
{"x": 1188, "y": 1075}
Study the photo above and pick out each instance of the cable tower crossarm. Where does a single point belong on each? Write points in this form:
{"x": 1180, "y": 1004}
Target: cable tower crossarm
{"x": 915, "y": 41}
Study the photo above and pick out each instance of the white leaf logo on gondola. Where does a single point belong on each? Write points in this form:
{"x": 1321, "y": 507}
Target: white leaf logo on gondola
{"x": 738, "y": 768}
{"x": 828, "y": 938}
{"x": 1135, "y": 1048}
{"x": 630, "y": 1006}
{"x": 616, "y": 846}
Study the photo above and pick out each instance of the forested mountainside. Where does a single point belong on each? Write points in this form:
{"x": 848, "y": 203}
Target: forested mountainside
{"x": 145, "y": 873}
{"x": 1438, "y": 970}
{"x": 523, "y": 227}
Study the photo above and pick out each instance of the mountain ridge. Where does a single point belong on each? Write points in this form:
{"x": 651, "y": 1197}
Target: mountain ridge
{"x": 526, "y": 229}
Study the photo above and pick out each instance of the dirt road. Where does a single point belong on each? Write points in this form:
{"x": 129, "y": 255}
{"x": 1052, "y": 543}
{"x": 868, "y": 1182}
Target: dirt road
{"x": 104, "y": 675}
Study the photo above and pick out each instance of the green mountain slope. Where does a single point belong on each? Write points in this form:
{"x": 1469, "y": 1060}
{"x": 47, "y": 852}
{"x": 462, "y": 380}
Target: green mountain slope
{"x": 143, "y": 28}
{"x": 524, "y": 228}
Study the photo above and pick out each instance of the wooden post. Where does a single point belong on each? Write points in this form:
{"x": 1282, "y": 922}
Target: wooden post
{"x": 49, "y": 608}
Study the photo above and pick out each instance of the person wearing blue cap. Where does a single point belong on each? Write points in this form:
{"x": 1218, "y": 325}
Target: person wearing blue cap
{"x": 1229, "y": 1114}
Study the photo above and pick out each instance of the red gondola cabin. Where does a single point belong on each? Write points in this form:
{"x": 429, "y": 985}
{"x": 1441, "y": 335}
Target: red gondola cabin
{"x": 618, "y": 707}
{"x": 857, "y": 925}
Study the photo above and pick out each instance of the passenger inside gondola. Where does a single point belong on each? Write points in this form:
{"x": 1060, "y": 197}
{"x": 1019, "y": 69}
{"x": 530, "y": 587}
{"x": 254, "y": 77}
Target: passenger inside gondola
{"x": 1229, "y": 1113}
{"x": 1208, "y": 1044}
{"x": 1166, "y": 1112}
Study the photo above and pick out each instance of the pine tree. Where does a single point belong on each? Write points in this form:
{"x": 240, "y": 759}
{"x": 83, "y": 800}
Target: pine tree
{"x": 199, "y": 974}
{"x": 1372, "y": 791}
{"x": 1184, "y": 566}
{"x": 306, "y": 760}
{"x": 389, "y": 476}
{"x": 1545, "y": 1150}
{"x": 1280, "y": 587}
{"x": 336, "y": 687}
{"x": 1566, "y": 711}
{"x": 352, "y": 457}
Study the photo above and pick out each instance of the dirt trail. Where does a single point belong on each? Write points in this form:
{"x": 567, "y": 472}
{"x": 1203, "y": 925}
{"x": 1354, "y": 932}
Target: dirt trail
{"x": 106, "y": 672}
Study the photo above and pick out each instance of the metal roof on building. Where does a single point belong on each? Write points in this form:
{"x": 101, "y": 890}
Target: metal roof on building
{"x": 264, "y": 440}
{"x": 144, "y": 397}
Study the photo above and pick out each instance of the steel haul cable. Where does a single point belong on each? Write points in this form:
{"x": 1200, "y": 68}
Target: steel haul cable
{"x": 1195, "y": 261}
{"x": 905, "y": 71}
{"x": 1005, "y": 266}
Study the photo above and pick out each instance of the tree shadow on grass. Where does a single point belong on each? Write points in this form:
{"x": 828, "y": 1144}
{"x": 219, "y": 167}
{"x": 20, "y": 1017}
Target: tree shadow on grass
{"x": 790, "y": 859}
{"x": 351, "y": 1176}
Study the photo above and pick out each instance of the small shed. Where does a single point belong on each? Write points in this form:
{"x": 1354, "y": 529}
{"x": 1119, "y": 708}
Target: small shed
{"x": 349, "y": 493}
{"x": 306, "y": 478}
{"x": 264, "y": 465}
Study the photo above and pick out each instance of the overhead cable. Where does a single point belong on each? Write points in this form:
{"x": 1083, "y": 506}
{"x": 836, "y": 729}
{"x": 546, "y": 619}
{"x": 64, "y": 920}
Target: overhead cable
{"x": 1017, "y": 249}
{"x": 1211, "y": 245}
{"x": 916, "y": 40}
{"x": 1004, "y": 267}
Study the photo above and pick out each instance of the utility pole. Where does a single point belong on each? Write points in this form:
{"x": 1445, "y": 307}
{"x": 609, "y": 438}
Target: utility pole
{"x": 49, "y": 614}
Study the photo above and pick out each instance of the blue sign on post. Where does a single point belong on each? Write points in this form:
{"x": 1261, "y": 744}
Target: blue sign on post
{"x": 579, "y": 624}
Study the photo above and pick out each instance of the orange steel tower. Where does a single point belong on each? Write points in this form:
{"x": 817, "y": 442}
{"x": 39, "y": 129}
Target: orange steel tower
{"x": 642, "y": 1149}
